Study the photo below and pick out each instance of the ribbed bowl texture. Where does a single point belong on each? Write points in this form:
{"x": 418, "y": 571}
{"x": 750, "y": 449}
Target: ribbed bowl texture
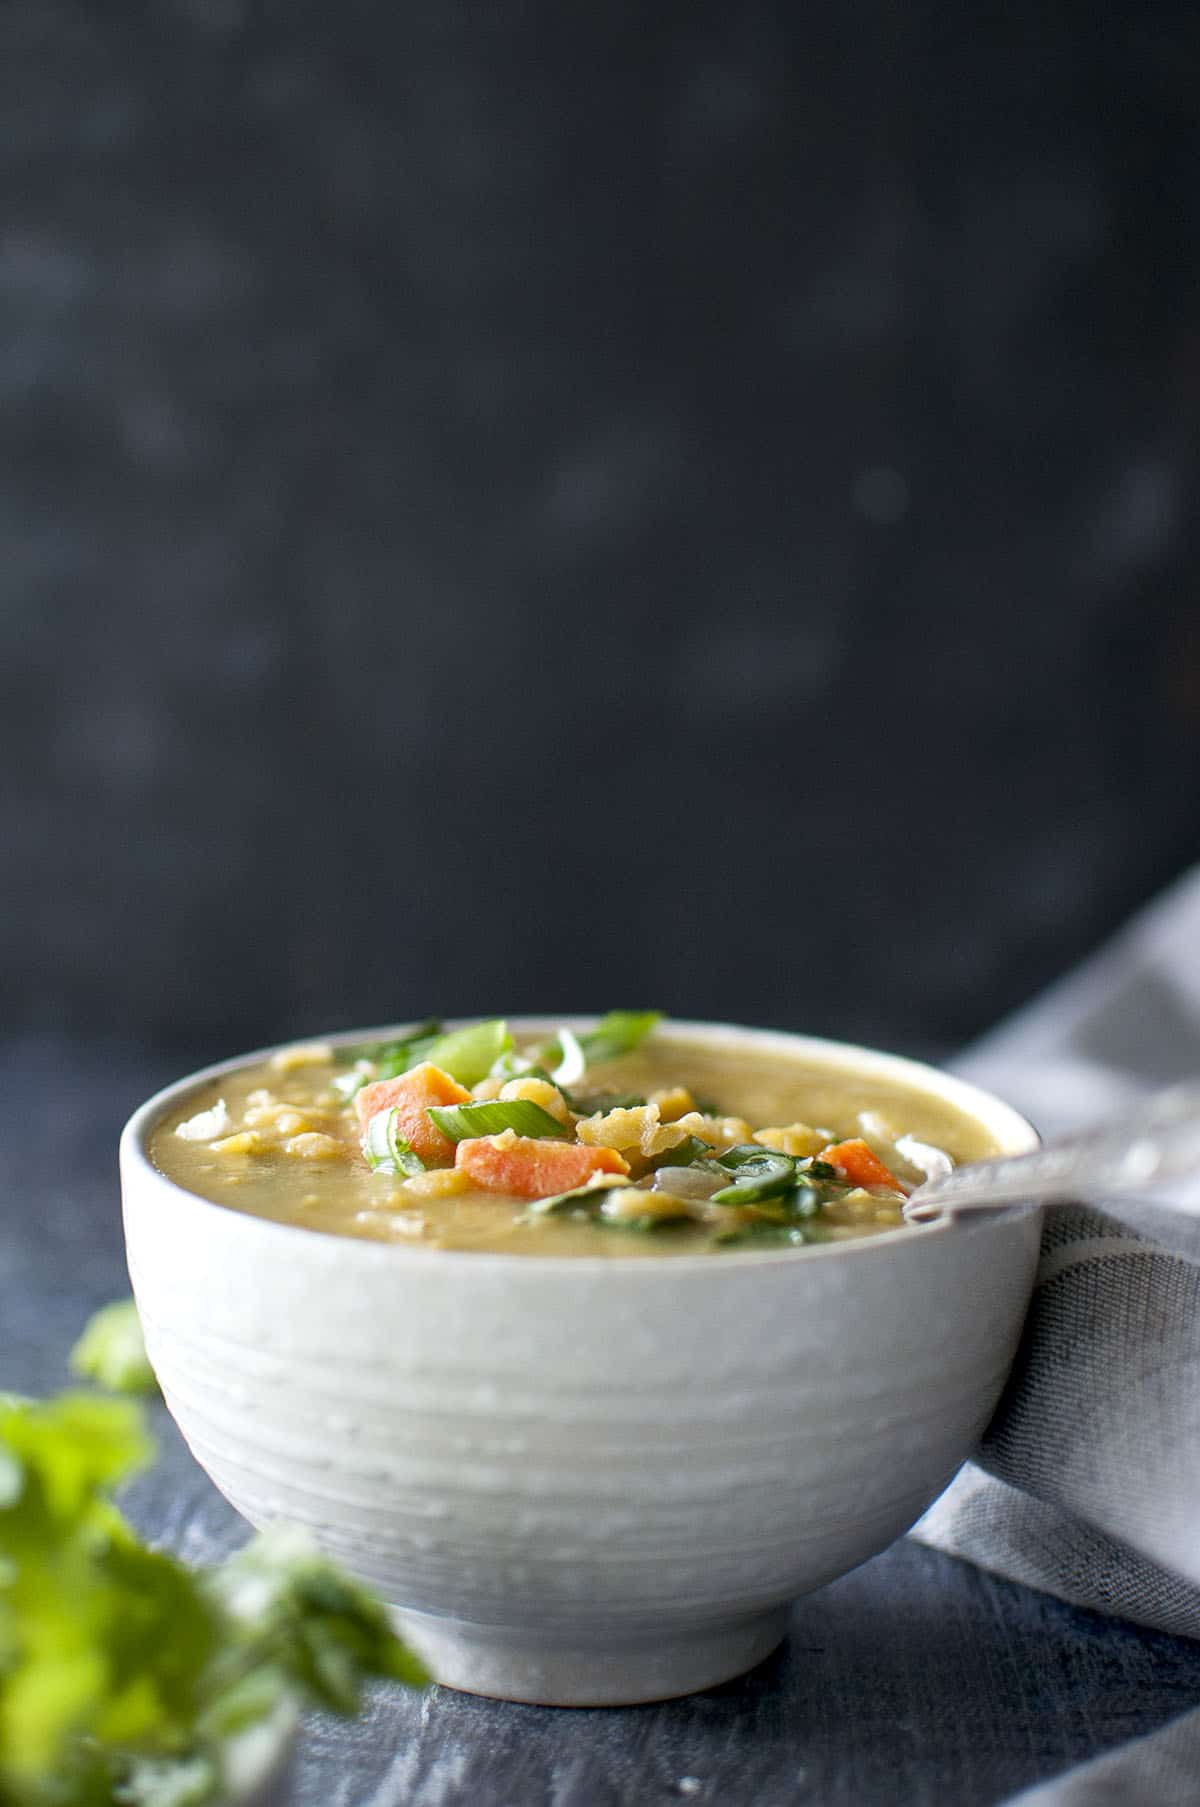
{"x": 582, "y": 1481}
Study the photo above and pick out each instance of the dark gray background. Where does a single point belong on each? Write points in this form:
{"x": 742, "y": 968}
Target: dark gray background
{"x": 533, "y": 506}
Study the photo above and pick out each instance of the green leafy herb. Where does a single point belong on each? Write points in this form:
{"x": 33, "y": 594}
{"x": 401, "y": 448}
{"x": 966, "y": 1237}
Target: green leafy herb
{"x": 469, "y": 1055}
{"x": 618, "y": 1033}
{"x": 765, "y": 1233}
{"x": 650, "y": 1224}
{"x": 589, "y": 1202}
{"x": 687, "y": 1153}
{"x": 303, "y": 1618}
{"x": 804, "y": 1201}
{"x": 584, "y": 1201}
{"x": 461, "y": 1121}
{"x": 393, "y": 1058}
{"x": 112, "y": 1350}
{"x": 390, "y": 1059}
{"x": 123, "y": 1674}
{"x": 599, "y": 1103}
{"x": 385, "y": 1149}
{"x": 761, "y": 1174}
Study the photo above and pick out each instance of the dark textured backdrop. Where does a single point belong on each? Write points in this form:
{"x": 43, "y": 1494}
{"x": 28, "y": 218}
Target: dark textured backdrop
{"x": 535, "y": 506}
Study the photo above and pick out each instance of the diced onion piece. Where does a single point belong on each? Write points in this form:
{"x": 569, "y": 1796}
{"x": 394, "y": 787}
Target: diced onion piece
{"x": 695, "y": 1183}
{"x": 573, "y": 1065}
{"x": 207, "y": 1125}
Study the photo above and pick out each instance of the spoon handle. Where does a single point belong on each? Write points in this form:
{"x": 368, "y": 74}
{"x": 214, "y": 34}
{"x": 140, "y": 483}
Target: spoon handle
{"x": 1157, "y": 1140}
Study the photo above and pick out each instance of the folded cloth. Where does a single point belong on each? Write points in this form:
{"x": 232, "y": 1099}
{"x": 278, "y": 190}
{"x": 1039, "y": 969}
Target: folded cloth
{"x": 1087, "y": 1481}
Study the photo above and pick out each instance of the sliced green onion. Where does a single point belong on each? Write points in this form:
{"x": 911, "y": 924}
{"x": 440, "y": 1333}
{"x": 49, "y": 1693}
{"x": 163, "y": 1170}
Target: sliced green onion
{"x": 462, "y": 1121}
{"x": 600, "y": 1103}
{"x": 566, "y": 1201}
{"x": 620, "y": 1032}
{"x": 768, "y": 1234}
{"x": 761, "y": 1174}
{"x": 573, "y": 1062}
{"x": 385, "y": 1149}
{"x": 824, "y": 1172}
{"x": 646, "y": 1224}
{"x": 683, "y": 1154}
{"x": 745, "y": 1154}
{"x": 469, "y": 1054}
{"x": 389, "y": 1059}
{"x": 393, "y": 1058}
{"x": 804, "y": 1201}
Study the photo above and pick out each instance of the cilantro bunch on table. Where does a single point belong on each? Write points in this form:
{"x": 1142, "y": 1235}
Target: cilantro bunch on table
{"x": 127, "y": 1679}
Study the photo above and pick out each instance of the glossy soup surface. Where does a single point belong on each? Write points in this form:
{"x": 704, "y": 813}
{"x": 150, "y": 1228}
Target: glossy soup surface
{"x": 283, "y": 1144}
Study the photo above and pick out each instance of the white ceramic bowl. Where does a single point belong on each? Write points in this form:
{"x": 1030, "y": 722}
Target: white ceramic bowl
{"x": 582, "y": 1481}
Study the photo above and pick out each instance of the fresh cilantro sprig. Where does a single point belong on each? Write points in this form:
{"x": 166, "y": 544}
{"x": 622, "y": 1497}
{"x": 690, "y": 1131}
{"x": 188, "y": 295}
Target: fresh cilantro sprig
{"x": 112, "y": 1350}
{"x": 123, "y": 1674}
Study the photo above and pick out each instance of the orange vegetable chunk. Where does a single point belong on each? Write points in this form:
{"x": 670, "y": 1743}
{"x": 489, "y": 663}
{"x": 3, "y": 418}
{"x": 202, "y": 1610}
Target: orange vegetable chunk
{"x": 526, "y": 1167}
{"x": 412, "y": 1094}
{"x": 860, "y": 1166}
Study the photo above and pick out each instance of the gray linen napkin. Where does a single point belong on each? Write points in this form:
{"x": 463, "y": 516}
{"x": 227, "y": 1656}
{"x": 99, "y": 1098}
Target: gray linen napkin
{"x": 1087, "y": 1482}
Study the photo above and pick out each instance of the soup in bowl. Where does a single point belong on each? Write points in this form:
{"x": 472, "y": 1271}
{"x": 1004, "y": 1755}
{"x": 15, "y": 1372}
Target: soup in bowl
{"x": 590, "y": 1390}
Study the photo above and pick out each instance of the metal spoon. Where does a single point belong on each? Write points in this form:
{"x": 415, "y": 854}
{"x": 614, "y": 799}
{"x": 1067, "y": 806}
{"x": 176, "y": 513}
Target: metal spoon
{"x": 1155, "y": 1143}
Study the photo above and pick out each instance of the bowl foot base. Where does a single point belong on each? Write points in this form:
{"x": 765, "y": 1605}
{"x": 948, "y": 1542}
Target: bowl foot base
{"x": 545, "y": 1669}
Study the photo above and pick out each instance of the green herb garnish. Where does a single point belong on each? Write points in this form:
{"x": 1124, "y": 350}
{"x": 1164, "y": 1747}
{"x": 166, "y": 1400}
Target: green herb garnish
{"x": 462, "y": 1121}
{"x": 764, "y": 1233}
{"x": 577, "y": 1201}
{"x": 618, "y": 1033}
{"x": 124, "y": 1675}
{"x": 598, "y": 1104}
{"x": 469, "y": 1055}
{"x": 761, "y": 1173}
{"x": 647, "y": 1225}
{"x": 385, "y": 1149}
{"x": 390, "y": 1059}
{"x": 589, "y": 1201}
{"x": 112, "y": 1350}
{"x": 690, "y": 1152}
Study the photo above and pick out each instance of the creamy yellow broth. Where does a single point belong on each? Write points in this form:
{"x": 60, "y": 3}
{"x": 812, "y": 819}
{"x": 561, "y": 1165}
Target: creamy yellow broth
{"x": 286, "y": 1147}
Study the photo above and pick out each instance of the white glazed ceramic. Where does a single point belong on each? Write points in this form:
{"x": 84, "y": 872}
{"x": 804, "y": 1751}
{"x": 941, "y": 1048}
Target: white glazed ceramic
{"x": 582, "y": 1481}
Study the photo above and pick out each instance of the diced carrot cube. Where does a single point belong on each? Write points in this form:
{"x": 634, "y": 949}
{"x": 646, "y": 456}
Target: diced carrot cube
{"x": 412, "y": 1094}
{"x": 860, "y": 1166}
{"x": 526, "y": 1167}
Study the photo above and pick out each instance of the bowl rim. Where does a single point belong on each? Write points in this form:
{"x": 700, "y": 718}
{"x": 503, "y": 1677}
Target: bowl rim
{"x": 1014, "y": 1133}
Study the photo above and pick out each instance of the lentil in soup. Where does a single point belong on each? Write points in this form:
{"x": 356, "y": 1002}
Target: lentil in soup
{"x": 632, "y": 1138}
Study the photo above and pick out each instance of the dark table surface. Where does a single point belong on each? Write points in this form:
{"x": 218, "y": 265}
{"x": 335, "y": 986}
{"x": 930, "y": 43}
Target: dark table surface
{"x": 916, "y": 1679}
